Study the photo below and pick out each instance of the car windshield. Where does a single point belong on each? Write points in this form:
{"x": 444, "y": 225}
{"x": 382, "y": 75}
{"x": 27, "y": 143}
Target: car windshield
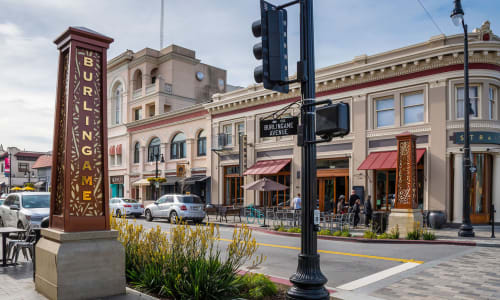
{"x": 130, "y": 200}
{"x": 36, "y": 201}
{"x": 190, "y": 199}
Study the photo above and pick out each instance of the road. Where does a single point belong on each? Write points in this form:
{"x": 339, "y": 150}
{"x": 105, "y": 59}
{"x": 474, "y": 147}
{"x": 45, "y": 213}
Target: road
{"x": 347, "y": 265}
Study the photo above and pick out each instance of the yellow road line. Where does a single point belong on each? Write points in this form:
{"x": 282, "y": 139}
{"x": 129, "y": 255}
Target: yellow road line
{"x": 338, "y": 253}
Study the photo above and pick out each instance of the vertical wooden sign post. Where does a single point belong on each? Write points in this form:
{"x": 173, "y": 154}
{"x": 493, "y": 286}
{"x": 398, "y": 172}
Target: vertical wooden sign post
{"x": 405, "y": 213}
{"x": 79, "y": 256}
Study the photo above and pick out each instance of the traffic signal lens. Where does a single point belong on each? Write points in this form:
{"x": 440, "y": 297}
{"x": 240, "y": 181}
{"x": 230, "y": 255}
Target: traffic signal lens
{"x": 258, "y": 74}
{"x": 257, "y": 28}
{"x": 257, "y": 50}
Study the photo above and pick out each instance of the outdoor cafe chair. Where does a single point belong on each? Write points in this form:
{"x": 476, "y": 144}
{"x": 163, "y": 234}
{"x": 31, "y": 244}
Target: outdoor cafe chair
{"x": 27, "y": 236}
{"x": 28, "y": 245}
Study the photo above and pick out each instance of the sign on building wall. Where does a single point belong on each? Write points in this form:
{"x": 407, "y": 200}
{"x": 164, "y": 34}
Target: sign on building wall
{"x": 279, "y": 127}
{"x": 117, "y": 179}
{"x": 243, "y": 153}
{"x": 478, "y": 137}
{"x": 80, "y": 181}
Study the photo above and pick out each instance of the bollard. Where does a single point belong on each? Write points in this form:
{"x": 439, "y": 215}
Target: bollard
{"x": 493, "y": 211}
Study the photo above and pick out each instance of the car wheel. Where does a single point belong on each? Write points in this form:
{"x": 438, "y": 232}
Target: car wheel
{"x": 173, "y": 217}
{"x": 20, "y": 225}
{"x": 149, "y": 216}
{"x": 197, "y": 221}
{"x": 118, "y": 213}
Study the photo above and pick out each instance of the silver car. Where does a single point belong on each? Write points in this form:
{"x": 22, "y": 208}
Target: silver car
{"x": 125, "y": 207}
{"x": 174, "y": 207}
{"x": 23, "y": 209}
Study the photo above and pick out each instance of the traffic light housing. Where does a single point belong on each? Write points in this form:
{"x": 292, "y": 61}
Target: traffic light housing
{"x": 333, "y": 120}
{"x": 273, "y": 48}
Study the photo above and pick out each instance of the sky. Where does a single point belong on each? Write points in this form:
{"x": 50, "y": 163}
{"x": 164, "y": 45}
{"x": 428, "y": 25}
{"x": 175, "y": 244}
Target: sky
{"x": 218, "y": 30}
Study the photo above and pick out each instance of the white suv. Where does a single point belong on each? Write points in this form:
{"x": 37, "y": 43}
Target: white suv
{"x": 20, "y": 209}
{"x": 173, "y": 207}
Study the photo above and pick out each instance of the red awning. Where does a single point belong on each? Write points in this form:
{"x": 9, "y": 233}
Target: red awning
{"x": 267, "y": 167}
{"x": 119, "y": 149}
{"x": 112, "y": 150}
{"x": 384, "y": 160}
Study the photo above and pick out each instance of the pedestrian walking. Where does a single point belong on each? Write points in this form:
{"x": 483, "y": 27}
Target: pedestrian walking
{"x": 353, "y": 198}
{"x": 368, "y": 211}
{"x": 356, "y": 210}
{"x": 297, "y": 205}
{"x": 340, "y": 204}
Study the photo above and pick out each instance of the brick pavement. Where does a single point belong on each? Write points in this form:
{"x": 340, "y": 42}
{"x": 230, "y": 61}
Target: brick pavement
{"x": 475, "y": 275}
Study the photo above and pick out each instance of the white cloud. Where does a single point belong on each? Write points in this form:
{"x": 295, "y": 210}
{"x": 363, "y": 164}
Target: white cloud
{"x": 9, "y": 29}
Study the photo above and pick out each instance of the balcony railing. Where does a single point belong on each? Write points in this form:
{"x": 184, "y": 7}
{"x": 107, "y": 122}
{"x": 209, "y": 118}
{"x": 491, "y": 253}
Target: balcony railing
{"x": 150, "y": 89}
{"x": 137, "y": 93}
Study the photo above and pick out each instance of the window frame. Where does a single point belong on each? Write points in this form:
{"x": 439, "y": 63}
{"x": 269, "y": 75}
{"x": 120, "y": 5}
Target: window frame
{"x": 137, "y": 113}
{"x": 229, "y": 140}
{"x": 477, "y": 113}
{"x": 117, "y": 98}
{"x": 152, "y": 150}
{"x": 179, "y": 147}
{"x": 376, "y": 111}
{"x": 403, "y": 107}
{"x": 137, "y": 153}
{"x": 25, "y": 168}
{"x": 201, "y": 144}
{"x": 492, "y": 101}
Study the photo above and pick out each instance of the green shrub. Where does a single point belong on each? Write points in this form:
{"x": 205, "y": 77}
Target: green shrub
{"x": 295, "y": 230}
{"x": 256, "y": 286}
{"x": 346, "y": 234}
{"x": 281, "y": 229}
{"x": 325, "y": 232}
{"x": 414, "y": 234}
{"x": 368, "y": 234}
{"x": 188, "y": 263}
{"x": 337, "y": 233}
{"x": 382, "y": 236}
{"x": 428, "y": 235}
{"x": 394, "y": 234}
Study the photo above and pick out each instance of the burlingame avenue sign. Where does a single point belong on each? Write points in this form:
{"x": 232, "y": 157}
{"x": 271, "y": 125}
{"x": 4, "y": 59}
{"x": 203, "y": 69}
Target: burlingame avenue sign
{"x": 80, "y": 181}
{"x": 279, "y": 127}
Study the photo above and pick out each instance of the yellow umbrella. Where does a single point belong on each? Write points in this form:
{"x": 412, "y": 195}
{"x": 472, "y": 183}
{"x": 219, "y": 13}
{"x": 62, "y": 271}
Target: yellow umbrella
{"x": 16, "y": 189}
{"x": 28, "y": 188}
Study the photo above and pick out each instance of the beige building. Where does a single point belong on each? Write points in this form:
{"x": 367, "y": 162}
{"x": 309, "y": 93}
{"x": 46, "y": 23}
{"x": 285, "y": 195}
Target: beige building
{"x": 418, "y": 88}
{"x": 154, "y": 108}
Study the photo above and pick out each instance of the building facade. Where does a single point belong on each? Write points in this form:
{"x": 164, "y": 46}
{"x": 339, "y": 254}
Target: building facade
{"x": 43, "y": 167}
{"x": 417, "y": 89}
{"x": 20, "y": 163}
{"x": 157, "y": 121}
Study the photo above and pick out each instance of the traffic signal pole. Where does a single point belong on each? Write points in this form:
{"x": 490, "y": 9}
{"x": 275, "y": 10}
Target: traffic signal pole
{"x": 308, "y": 281}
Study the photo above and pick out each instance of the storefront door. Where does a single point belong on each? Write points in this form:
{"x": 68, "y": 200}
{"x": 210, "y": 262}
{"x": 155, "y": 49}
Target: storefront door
{"x": 481, "y": 189}
{"x": 329, "y": 191}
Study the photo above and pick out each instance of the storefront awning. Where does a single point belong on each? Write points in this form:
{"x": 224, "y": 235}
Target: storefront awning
{"x": 40, "y": 184}
{"x": 384, "y": 160}
{"x": 267, "y": 167}
{"x": 143, "y": 181}
{"x": 172, "y": 180}
{"x": 195, "y": 178}
{"x": 2, "y": 183}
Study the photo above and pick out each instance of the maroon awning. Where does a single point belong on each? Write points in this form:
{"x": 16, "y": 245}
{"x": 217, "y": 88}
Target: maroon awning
{"x": 267, "y": 167}
{"x": 384, "y": 160}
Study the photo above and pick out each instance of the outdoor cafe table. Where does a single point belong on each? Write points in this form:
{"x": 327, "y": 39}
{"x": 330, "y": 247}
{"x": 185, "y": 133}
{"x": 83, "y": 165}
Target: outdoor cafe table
{"x": 5, "y": 231}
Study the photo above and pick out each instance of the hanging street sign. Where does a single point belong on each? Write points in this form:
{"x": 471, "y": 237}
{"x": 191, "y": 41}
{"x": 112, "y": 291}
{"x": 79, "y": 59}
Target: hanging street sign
{"x": 279, "y": 127}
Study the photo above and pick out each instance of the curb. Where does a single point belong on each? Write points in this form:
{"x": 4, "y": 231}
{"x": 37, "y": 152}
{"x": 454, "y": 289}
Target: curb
{"x": 131, "y": 291}
{"x": 373, "y": 241}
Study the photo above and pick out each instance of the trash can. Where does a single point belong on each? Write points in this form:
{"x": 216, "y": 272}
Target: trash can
{"x": 437, "y": 219}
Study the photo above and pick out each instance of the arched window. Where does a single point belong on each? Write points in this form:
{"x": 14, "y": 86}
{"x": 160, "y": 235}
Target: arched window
{"x": 153, "y": 149}
{"x": 154, "y": 75}
{"x": 138, "y": 80}
{"x": 178, "y": 146}
{"x": 137, "y": 149}
{"x": 118, "y": 105}
{"x": 202, "y": 143}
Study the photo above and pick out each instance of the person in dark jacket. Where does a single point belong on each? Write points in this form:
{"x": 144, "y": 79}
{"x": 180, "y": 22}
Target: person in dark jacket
{"x": 353, "y": 198}
{"x": 356, "y": 210}
{"x": 368, "y": 211}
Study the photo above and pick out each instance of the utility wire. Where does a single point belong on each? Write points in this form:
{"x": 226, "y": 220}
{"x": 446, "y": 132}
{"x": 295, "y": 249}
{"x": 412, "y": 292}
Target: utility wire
{"x": 430, "y": 17}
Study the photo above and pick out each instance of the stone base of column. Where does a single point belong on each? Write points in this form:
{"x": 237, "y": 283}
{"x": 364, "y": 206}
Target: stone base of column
{"x": 405, "y": 219}
{"x": 79, "y": 265}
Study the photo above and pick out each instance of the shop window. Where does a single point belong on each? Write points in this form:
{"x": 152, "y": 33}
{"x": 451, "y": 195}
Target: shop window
{"x": 233, "y": 192}
{"x": 384, "y": 112}
{"x": 202, "y": 143}
{"x": 137, "y": 149}
{"x": 178, "y": 146}
{"x": 23, "y": 167}
{"x": 332, "y": 164}
{"x": 137, "y": 114}
{"x": 118, "y": 159}
{"x": 492, "y": 93}
{"x": 385, "y": 189}
{"x": 474, "y": 101}
{"x": 153, "y": 149}
{"x": 228, "y": 131}
{"x": 413, "y": 108}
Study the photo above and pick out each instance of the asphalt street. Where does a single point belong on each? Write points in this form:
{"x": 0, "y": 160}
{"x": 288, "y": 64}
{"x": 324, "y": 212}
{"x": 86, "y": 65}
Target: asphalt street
{"x": 347, "y": 265}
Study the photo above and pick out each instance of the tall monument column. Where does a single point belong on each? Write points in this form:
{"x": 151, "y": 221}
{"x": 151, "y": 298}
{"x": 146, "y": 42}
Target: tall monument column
{"x": 79, "y": 257}
{"x": 405, "y": 213}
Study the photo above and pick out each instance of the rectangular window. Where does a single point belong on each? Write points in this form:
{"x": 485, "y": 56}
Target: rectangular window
{"x": 413, "y": 108}
{"x": 23, "y": 167}
{"x": 228, "y": 131}
{"x": 137, "y": 114}
{"x": 492, "y": 101}
{"x": 118, "y": 159}
{"x": 384, "y": 110}
{"x": 474, "y": 100}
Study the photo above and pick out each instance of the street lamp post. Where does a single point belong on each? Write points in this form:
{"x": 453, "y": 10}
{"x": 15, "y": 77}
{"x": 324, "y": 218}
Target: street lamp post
{"x": 466, "y": 229}
{"x": 28, "y": 174}
{"x": 157, "y": 157}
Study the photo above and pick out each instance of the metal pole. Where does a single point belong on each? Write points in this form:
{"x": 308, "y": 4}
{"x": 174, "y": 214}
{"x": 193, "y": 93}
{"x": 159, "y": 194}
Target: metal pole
{"x": 466, "y": 229}
{"x": 492, "y": 213}
{"x": 156, "y": 176}
{"x": 10, "y": 172}
{"x": 308, "y": 281}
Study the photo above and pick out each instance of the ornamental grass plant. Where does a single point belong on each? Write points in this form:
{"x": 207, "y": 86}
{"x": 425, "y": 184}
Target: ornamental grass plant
{"x": 187, "y": 262}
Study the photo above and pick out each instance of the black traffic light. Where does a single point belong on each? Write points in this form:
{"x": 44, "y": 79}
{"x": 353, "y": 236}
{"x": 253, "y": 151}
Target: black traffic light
{"x": 332, "y": 120}
{"x": 273, "y": 48}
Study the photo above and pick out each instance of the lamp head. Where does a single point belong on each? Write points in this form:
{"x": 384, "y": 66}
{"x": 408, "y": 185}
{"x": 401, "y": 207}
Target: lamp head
{"x": 162, "y": 159}
{"x": 457, "y": 15}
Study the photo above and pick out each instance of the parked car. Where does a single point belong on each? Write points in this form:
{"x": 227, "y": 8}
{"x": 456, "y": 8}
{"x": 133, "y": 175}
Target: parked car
{"x": 174, "y": 207}
{"x": 2, "y": 198}
{"x": 125, "y": 207}
{"x": 23, "y": 209}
